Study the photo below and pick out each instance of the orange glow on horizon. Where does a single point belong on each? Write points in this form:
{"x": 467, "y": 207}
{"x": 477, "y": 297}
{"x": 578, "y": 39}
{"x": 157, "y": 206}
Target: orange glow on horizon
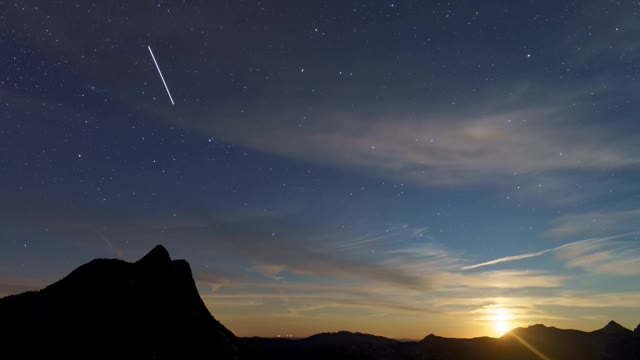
{"x": 501, "y": 320}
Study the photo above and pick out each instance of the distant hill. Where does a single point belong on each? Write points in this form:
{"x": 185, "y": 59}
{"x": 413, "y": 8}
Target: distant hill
{"x": 536, "y": 342}
{"x": 345, "y": 338}
{"x": 151, "y": 309}
{"x": 335, "y": 346}
{"x": 611, "y": 342}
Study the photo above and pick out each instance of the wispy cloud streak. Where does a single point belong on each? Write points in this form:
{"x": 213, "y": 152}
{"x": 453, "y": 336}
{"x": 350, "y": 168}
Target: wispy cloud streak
{"x": 512, "y": 258}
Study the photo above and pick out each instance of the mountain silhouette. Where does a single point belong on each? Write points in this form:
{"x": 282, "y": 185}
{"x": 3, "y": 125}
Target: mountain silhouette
{"x": 611, "y": 342}
{"x": 537, "y": 342}
{"x": 345, "y": 338}
{"x": 341, "y": 345}
{"x": 613, "y": 328}
{"x": 151, "y": 309}
{"x": 110, "y": 308}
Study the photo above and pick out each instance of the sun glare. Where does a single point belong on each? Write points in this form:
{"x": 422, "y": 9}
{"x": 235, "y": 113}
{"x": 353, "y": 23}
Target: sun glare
{"x": 501, "y": 320}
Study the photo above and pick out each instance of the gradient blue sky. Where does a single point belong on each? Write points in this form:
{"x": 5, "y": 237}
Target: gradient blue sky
{"x": 392, "y": 167}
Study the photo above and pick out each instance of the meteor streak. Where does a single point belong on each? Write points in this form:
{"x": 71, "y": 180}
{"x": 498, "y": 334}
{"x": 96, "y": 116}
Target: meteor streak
{"x": 161, "y": 77}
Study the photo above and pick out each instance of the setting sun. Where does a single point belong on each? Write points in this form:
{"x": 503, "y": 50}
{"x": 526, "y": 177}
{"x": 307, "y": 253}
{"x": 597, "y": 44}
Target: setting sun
{"x": 501, "y": 320}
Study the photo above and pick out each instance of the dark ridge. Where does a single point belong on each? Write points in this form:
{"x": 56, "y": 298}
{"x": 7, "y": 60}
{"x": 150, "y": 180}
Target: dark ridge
{"x": 150, "y": 309}
{"x": 614, "y": 328}
{"x": 346, "y": 337}
{"x": 158, "y": 256}
{"x": 335, "y": 346}
{"x": 429, "y": 337}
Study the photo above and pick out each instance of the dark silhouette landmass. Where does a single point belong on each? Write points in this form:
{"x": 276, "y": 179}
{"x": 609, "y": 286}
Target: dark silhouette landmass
{"x": 110, "y": 308}
{"x": 536, "y": 342}
{"x": 151, "y": 309}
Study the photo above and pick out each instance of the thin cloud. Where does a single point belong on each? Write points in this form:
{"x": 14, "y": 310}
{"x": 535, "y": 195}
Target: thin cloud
{"x": 436, "y": 148}
{"x": 619, "y": 258}
{"x": 325, "y": 301}
{"x": 512, "y": 258}
{"x": 509, "y": 259}
{"x": 593, "y": 222}
{"x": 624, "y": 267}
{"x": 503, "y": 279}
{"x": 560, "y": 299}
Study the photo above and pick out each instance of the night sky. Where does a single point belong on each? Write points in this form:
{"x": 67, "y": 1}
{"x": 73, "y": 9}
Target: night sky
{"x": 397, "y": 168}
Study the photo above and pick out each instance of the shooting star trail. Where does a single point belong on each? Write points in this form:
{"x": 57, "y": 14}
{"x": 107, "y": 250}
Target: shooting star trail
{"x": 161, "y": 77}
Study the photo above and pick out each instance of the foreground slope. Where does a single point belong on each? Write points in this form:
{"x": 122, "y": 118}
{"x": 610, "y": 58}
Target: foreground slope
{"x": 149, "y": 309}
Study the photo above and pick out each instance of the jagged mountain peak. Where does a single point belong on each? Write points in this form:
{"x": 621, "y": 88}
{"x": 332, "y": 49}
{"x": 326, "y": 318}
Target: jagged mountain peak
{"x": 613, "y": 327}
{"x": 157, "y": 255}
{"x": 153, "y": 305}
